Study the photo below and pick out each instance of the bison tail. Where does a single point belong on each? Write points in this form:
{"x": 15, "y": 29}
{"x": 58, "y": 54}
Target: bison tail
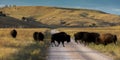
{"x": 115, "y": 39}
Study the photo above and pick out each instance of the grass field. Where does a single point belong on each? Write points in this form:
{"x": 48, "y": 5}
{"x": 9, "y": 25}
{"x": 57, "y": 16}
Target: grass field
{"x": 111, "y": 49}
{"x": 23, "y": 47}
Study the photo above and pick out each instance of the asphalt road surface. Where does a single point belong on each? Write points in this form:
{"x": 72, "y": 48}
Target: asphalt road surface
{"x": 73, "y": 51}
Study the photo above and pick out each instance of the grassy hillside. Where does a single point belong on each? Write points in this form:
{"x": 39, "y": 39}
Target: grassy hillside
{"x": 10, "y": 22}
{"x": 56, "y": 16}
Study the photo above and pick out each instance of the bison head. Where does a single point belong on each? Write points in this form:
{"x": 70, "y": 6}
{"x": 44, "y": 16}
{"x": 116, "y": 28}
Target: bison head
{"x": 68, "y": 38}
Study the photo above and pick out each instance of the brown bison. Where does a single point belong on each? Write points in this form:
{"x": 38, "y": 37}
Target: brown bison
{"x": 13, "y": 33}
{"x": 38, "y": 36}
{"x": 107, "y": 38}
{"x": 60, "y": 37}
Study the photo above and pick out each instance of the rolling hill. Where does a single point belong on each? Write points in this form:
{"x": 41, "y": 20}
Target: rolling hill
{"x": 57, "y": 17}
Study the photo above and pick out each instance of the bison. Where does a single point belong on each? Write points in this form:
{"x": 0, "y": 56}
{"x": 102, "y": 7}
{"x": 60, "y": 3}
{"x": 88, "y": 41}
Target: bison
{"x": 92, "y": 37}
{"x": 60, "y": 37}
{"x": 86, "y": 37}
{"x": 35, "y": 36}
{"x": 13, "y": 33}
{"x": 38, "y": 36}
{"x": 107, "y": 38}
{"x": 79, "y": 36}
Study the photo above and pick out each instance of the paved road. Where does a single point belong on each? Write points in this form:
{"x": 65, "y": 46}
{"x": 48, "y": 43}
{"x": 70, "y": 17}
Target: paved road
{"x": 74, "y": 51}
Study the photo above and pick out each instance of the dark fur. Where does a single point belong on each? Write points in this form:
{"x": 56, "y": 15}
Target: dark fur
{"x": 14, "y": 33}
{"x": 35, "y": 36}
{"x": 79, "y": 36}
{"x": 86, "y": 37}
{"x": 38, "y": 36}
{"x": 60, "y": 38}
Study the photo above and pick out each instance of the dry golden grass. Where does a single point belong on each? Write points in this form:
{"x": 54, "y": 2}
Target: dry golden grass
{"x": 113, "y": 30}
{"x": 111, "y": 49}
{"x": 23, "y": 47}
{"x": 52, "y": 15}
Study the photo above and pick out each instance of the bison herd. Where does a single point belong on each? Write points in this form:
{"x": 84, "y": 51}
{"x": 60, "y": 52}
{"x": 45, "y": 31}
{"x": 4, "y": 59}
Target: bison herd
{"x": 79, "y": 37}
{"x": 92, "y": 37}
{"x": 38, "y": 36}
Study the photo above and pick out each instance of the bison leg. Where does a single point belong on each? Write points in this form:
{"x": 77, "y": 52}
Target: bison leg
{"x": 105, "y": 44}
{"x": 63, "y": 43}
{"x": 115, "y": 42}
{"x": 58, "y": 43}
{"x": 76, "y": 41}
{"x": 53, "y": 43}
{"x": 80, "y": 41}
{"x": 96, "y": 42}
{"x": 86, "y": 43}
